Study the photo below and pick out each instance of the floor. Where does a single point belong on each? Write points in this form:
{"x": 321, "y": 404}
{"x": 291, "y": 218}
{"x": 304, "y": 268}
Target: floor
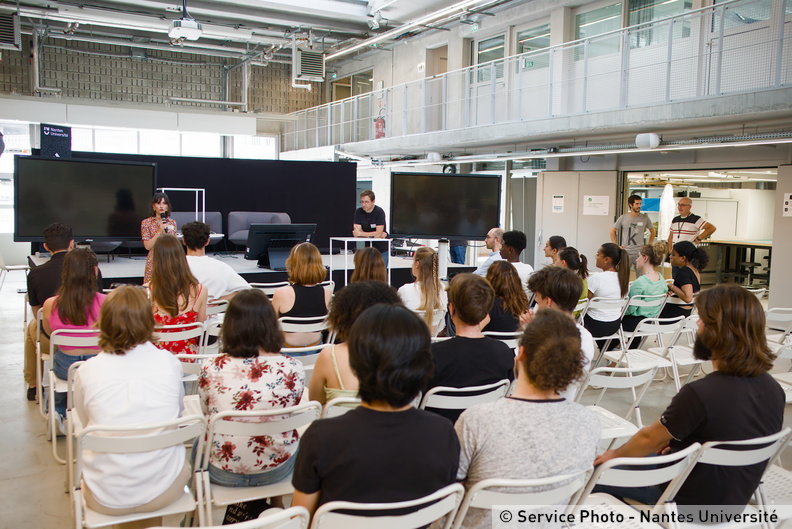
{"x": 31, "y": 482}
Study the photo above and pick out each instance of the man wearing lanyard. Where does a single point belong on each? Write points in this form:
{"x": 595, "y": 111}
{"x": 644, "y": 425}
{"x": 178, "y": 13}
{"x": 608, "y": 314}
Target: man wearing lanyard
{"x": 687, "y": 227}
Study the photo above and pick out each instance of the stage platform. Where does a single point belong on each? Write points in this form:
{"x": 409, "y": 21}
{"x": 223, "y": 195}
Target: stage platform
{"x": 130, "y": 269}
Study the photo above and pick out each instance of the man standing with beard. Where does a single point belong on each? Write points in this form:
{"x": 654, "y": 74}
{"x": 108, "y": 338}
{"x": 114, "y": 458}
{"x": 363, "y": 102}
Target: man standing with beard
{"x": 738, "y": 400}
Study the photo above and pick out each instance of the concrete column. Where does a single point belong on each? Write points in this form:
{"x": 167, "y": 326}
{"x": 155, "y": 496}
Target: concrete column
{"x": 780, "y": 285}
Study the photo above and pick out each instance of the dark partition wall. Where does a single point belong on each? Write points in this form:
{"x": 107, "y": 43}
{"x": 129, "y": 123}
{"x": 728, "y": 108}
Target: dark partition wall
{"x": 310, "y": 192}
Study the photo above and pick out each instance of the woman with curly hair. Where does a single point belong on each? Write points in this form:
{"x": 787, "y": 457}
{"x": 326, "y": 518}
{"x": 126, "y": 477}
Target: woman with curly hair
{"x": 510, "y": 299}
{"x": 369, "y": 266}
{"x": 332, "y": 376}
{"x": 494, "y": 436}
{"x": 426, "y": 294}
{"x": 176, "y": 295}
{"x": 250, "y": 375}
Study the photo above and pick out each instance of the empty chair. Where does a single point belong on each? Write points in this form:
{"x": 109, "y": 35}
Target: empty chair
{"x": 776, "y": 485}
{"x": 648, "y": 328}
{"x": 598, "y": 306}
{"x": 291, "y": 518}
{"x": 6, "y": 269}
{"x": 419, "y": 513}
{"x": 779, "y": 326}
{"x": 785, "y": 379}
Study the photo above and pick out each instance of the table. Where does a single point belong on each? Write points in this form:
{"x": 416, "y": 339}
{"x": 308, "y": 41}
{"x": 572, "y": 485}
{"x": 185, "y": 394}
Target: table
{"x": 742, "y": 245}
{"x": 346, "y": 241}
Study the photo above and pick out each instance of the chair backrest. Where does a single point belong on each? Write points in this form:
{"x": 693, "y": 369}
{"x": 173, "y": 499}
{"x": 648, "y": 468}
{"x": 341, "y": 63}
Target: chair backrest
{"x": 178, "y": 332}
{"x": 758, "y": 292}
{"x": 73, "y": 338}
{"x": 438, "y": 315}
{"x": 444, "y": 502}
{"x": 779, "y": 319}
{"x": 541, "y": 492}
{"x": 657, "y": 327}
{"x": 785, "y": 352}
{"x": 339, "y": 406}
{"x": 216, "y": 306}
{"x": 619, "y": 378}
{"x": 648, "y": 301}
{"x": 447, "y": 398}
{"x": 512, "y": 339}
{"x": 603, "y": 303}
{"x": 211, "y": 330}
{"x": 270, "y": 288}
{"x": 306, "y": 324}
{"x": 291, "y": 518}
{"x": 744, "y": 453}
{"x": 581, "y": 307}
{"x": 261, "y": 423}
{"x": 645, "y": 472}
{"x": 213, "y": 218}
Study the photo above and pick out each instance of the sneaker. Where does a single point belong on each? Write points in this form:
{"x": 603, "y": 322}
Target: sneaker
{"x": 31, "y": 394}
{"x": 60, "y": 424}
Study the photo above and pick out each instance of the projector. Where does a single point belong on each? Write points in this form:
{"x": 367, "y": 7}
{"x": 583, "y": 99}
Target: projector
{"x": 185, "y": 28}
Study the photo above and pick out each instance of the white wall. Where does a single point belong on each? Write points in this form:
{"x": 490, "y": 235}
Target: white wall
{"x": 780, "y": 285}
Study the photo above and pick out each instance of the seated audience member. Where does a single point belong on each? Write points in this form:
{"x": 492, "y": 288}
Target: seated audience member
{"x": 426, "y": 293}
{"x": 470, "y": 358}
{"x": 305, "y": 297}
{"x": 76, "y": 306}
{"x": 570, "y": 258}
{"x": 332, "y": 376}
{"x": 385, "y": 450}
{"x": 176, "y": 295}
{"x": 691, "y": 260}
{"x": 493, "y": 242}
{"x": 554, "y": 244}
{"x": 534, "y": 433}
{"x": 251, "y": 375}
{"x": 220, "y": 280}
{"x": 738, "y": 400}
{"x": 131, "y": 382}
{"x": 649, "y": 283}
{"x": 511, "y": 303}
{"x": 610, "y": 283}
{"x": 514, "y": 242}
{"x": 558, "y": 289}
{"x": 369, "y": 266}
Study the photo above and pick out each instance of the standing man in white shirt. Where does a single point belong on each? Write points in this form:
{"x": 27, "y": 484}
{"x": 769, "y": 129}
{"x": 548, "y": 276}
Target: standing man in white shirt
{"x": 633, "y": 226}
{"x": 687, "y": 226}
{"x": 494, "y": 242}
{"x": 219, "y": 278}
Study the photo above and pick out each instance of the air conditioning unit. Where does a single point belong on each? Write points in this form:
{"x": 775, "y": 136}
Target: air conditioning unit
{"x": 9, "y": 30}
{"x": 308, "y": 65}
{"x": 185, "y": 28}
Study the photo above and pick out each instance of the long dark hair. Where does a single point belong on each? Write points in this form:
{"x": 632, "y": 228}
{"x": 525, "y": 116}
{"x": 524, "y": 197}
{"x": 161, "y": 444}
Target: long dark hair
{"x": 695, "y": 256}
{"x": 575, "y": 261}
{"x": 506, "y": 282}
{"x": 171, "y": 278}
{"x": 250, "y": 325}
{"x": 78, "y": 286}
{"x": 621, "y": 262}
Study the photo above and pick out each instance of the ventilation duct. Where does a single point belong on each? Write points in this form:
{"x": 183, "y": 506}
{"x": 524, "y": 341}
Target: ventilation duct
{"x": 9, "y": 31}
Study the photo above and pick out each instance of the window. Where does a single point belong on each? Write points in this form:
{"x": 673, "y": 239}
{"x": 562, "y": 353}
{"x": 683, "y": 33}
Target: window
{"x": 201, "y": 144}
{"x": 645, "y": 11}
{"x": 120, "y": 141}
{"x": 159, "y": 142}
{"x": 738, "y": 16}
{"x": 533, "y": 39}
{"x": 256, "y": 147}
{"x": 490, "y": 50}
{"x": 597, "y": 22}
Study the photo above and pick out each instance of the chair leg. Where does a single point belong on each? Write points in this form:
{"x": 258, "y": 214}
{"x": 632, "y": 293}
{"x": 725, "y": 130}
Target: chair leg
{"x": 3, "y": 274}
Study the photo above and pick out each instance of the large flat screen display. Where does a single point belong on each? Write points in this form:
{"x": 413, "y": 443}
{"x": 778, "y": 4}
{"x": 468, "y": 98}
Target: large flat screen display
{"x": 434, "y": 205}
{"x": 100, "y": 200}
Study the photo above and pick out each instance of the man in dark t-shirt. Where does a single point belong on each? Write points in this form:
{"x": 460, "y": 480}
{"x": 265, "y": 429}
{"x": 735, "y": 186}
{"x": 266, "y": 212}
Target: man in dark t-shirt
{"x": 369, "y": 222}
{"x": 470, "y": 358}
{"x": 738, "y": 401}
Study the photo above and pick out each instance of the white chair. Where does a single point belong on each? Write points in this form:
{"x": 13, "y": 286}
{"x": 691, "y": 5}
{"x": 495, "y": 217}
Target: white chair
{"x": 81, "y": 338}
{"x": 785, "y": 379}
{"x": 580, "y": 309}
{"x": 632, "y": 378}
{"x": 638, "y": 472}
{"x": 647, "y": 328}
{"x": 291, "y": 518}
{"x": 681, "y": 355}
{"x": 779, "y": 327}
{"x": 610, "y": 304}
{"x": 6, "y": 269}
{"x": 512, "y": 339}
{"x": 306, "y": 324}
{"x": 191, "y": 367}
{"x": 758, "y": 292}
{"x": 443, "y": 503}
{"x": 646, "y": 301}
{"x": 216, "y": 306}
{"x": 447, "y": 398}
{"x": 211, "y": 330}
{"x": 741, "y": 454}
{"x": 135, "y": 439}
{"x": 270, "y": 288}
{"x": 339, "y": 406}
{"x": 272, "y": 422}
{"x": 41, "y": 357}
{"x": 438, "y": 317}
{"x": 164, "y": 334}
{"x": 529, "y": 494}
{"x": 307, "y": 356}
{"x": 775, "y": 489}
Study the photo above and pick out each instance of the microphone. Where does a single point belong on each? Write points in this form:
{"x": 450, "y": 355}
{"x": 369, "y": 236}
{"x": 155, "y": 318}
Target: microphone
{"x": 164, "y": 216}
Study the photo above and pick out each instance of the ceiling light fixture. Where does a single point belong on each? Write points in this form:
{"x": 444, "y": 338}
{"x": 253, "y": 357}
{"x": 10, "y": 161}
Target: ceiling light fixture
{"x": 375, "y": 21}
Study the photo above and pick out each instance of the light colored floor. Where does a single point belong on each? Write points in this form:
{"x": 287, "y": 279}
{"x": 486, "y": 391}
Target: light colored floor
{"x": 31, "y": 482}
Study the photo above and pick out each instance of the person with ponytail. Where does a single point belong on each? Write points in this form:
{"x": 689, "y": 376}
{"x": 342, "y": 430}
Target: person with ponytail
{"x": 691, "y": 260}
{"x": 649, "y": 283}
{"x": 494, "y": 436}
{"x": 426, "y": 293}
{"x": 577, "y": 262}
{"x": 610, "y": 283}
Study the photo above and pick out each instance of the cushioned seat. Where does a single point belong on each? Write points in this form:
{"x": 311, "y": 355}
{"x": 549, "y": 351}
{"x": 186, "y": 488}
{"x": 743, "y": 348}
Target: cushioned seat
{"x": 239, "y": 223}
{"x": 213, "y": 218}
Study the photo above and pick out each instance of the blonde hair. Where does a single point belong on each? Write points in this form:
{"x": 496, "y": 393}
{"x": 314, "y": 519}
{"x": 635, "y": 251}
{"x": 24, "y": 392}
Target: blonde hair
{"x": 427, "y": 275}
{"x": 304, "y": 265}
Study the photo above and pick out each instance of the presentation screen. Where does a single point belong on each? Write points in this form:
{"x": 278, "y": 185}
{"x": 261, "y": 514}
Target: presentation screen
{"x": 435, "y": 205}
{"x": 100, "y": 200}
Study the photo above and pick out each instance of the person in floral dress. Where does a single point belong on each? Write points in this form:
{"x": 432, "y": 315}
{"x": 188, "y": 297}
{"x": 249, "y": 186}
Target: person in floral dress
{"x": 176, "y": 296}
{"x": 154, "y": 226}
{"x": 251, "y": 375}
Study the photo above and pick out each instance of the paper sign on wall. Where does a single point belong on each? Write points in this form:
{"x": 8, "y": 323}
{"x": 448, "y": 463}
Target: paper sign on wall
{"x": 558, "y": 204}
{"x": 596, "y": 204}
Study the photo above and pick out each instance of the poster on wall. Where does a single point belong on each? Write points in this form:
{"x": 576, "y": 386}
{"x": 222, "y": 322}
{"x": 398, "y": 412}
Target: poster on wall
{"x": 596, "y": 204}
{"x": 55, "y": 141}
{"x": 558, "y": 204}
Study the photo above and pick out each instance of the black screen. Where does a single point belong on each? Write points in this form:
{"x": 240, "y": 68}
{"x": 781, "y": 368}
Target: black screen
{"x": 98, "y": 199}
{"x": 261, "y": 237}
{"x": 434, "y": 205}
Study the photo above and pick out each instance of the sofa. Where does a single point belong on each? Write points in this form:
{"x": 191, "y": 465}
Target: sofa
{"x": 239, "y": 223}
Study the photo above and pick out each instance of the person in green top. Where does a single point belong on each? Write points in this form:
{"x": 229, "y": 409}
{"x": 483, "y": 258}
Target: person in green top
{"x": 649, "y": 284}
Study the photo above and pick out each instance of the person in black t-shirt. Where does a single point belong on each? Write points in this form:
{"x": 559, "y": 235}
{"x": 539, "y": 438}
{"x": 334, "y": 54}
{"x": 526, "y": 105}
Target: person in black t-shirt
{"x": 369, "y": 222}
{"x": 385, "y": 450}
{"x": 739, "y": 400}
